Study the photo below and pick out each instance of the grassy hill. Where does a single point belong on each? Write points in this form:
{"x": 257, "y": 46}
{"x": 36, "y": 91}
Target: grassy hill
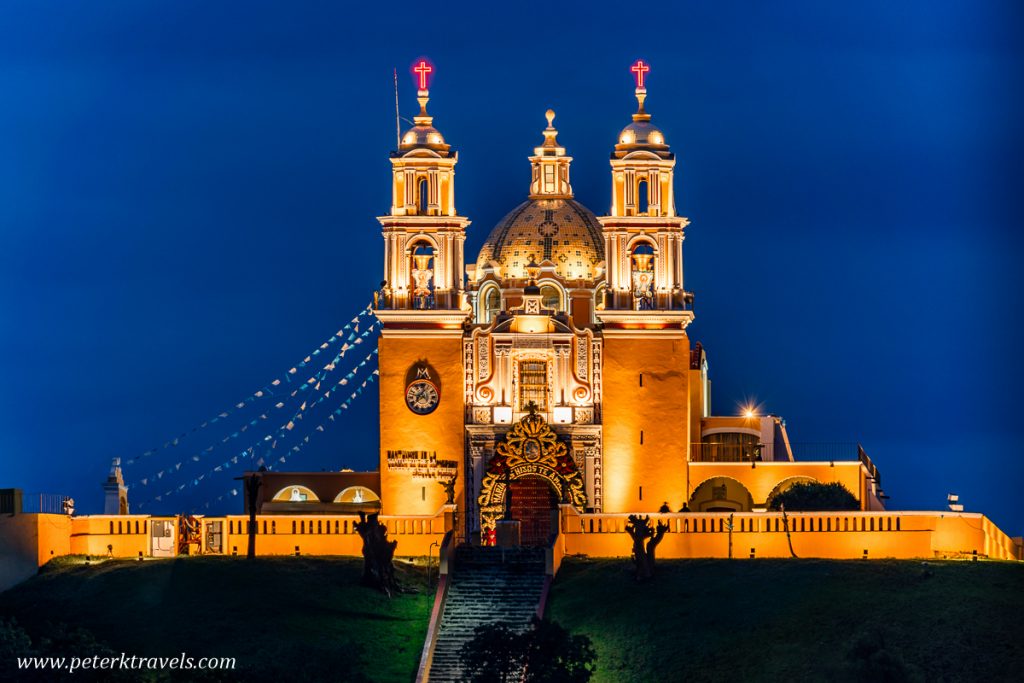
{"x": 800, "y": 620}
{"x": 289, "y": 618}
{"x": 306, "y": 618}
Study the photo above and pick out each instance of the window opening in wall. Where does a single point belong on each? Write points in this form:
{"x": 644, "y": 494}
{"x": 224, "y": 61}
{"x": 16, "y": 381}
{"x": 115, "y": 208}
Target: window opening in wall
{"x": 422, "y": 197}
{"x": 533, "y": 384}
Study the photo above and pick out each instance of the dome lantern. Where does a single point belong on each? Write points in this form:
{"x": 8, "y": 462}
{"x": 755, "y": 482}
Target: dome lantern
{"x": 550, "y": 177}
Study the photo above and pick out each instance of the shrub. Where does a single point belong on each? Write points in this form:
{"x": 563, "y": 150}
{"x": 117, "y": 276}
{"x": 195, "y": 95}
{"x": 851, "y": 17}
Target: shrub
{"x": 815, "y": 497}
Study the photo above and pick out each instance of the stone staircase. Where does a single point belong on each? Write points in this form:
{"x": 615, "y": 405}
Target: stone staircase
{"x": 488, "y": 585}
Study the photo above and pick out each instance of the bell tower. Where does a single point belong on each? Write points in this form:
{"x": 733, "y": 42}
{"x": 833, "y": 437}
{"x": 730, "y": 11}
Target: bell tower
{"x": 423, "y": 234}
{"x": 647, "y": 378}
{"x": 422, "y": 308}
{"x": 643, "y": 236}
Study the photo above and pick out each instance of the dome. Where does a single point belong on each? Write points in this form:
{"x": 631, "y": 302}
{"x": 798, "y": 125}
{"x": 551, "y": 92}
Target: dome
{"x": 561, "y": 231}
{"x": 641, "y": 134}
{"x": 423, "y": 136}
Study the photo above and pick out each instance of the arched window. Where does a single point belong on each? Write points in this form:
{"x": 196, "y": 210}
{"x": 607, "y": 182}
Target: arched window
{"x": 551, "y": 297}
{"x": 422, "y": 196}
{"x": 296, "y": 493}
{"x": 599, "y": 294}
{"x": 490, "y": 304}
{"x": 642, "y": 197}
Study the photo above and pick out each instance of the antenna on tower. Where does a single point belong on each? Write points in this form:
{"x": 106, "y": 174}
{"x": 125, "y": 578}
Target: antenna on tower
{"x": 398, "y": 126}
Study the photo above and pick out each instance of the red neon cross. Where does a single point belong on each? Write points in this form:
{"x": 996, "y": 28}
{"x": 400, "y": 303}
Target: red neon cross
{"x": 422, "y": 69}
{"x": 640, "y": 69}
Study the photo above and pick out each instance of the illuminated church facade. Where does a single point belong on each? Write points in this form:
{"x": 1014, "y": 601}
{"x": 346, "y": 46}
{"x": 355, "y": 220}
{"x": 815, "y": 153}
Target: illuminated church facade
{"x": 548, "y": 390}
{"x": 575, "y": 322}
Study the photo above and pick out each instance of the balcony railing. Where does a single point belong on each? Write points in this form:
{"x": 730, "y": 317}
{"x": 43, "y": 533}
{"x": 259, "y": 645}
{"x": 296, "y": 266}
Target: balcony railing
{"x": 807, "y": 451}
{"x": 52, "y": 503}
{"x": 387, "y": 300}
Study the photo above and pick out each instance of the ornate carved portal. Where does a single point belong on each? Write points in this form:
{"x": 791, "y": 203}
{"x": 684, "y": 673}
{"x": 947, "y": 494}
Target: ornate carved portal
{"x": 530, "y": 449}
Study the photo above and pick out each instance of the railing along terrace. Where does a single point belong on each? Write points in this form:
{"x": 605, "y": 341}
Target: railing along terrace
{"x": 824, "y": 450}
{"x": 49, "y": 503}
{"x": 747, "y": 522}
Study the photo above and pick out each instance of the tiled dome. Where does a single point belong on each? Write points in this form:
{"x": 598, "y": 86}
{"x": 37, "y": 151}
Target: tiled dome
{"x": 562, "y": 231}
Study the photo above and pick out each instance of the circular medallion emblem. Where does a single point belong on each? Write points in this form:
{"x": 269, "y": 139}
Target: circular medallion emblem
{"x": 422, "y": 397}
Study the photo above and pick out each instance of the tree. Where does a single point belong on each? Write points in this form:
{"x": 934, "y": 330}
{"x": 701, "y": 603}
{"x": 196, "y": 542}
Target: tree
{"x": 544, "y": 653}
{"x": 378, "y": 554}
{"x": 640, "y": 530}
{"x": 553, "y": 655}
{"x": 815, "y": 497}
{"x": 494, "y": 654}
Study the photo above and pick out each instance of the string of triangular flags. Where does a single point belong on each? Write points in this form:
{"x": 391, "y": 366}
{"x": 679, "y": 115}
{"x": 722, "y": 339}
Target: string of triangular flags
{"x": 347, "y": 335}
{"x": 295, "y": 450}
{"x": 313, "y": 383}
{"x": 249, "y": 454}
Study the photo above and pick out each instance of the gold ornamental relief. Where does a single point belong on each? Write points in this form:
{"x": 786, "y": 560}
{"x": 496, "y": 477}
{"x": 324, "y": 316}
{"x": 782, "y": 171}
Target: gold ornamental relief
{"x": 531, "y": 448}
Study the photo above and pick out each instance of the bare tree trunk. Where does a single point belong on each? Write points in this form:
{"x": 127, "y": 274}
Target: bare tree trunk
{"x": 785, "y": 525}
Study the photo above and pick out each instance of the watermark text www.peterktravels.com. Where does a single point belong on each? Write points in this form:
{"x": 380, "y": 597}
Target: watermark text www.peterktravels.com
{"x": 125, "y": 662}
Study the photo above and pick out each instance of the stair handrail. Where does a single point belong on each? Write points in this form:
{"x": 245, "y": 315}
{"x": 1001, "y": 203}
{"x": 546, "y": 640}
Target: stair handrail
{"x": 446, "y": 561}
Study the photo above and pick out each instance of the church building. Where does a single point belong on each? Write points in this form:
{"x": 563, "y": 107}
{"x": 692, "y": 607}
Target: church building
{"x": 558, "y": 367}
{"x": 538, "y": 395}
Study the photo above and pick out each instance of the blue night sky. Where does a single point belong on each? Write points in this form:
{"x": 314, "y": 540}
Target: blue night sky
{"x": 188, "y": 195}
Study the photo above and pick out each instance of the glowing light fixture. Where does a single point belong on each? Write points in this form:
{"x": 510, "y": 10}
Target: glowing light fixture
{"x": 562, "y": 413}
{"x": 640, "y": 69}
{"x": 502, "y": 411}
{"x": 422, "y": 70}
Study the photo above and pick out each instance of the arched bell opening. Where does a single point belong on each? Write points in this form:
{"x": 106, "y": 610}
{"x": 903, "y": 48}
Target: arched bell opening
{"x": 422, "y": 197}
{"x": 421, "y": 274}
{"x": 642, "y": 258}
{"x": 643, "y": 196}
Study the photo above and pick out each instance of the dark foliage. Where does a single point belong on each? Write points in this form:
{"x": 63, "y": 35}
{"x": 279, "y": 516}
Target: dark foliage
{"x": 544, "y": 653}
{"x": 815, "y": 497}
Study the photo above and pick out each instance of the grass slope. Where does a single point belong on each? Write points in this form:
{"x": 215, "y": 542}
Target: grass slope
{"x": 799, "y": 620}
{"x": 289, "y": 618}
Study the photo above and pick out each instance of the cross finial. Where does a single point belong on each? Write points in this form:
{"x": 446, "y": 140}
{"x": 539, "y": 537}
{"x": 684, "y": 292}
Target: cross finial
{"x": 640, "y": 68}
{"x": 422, "y": 69}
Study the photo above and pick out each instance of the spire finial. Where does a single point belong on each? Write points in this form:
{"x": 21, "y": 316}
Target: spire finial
{"x": 640, "y": 69}
{"x": 422, "y": 70}
{"x": 550, "y": 133}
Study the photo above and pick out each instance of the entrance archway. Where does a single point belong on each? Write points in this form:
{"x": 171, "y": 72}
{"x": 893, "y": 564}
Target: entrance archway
{"x": 530, "y": 453}
{"x": 535, "y": 505}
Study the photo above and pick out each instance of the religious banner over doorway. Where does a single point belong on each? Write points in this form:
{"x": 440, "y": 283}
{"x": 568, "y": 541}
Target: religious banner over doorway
{"x": 530, "y": 449}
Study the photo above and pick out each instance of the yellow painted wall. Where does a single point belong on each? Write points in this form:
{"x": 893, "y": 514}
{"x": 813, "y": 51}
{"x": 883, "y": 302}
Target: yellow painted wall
{"x": 401, "y": 429}
{"x": 315, "y": 534}
{"x": 843, "y": 535}
{"x": 659, "y": 408}
{"x": 28, "y": 541}
{"x": 760, "y": 480}
{"x": 130, "y": 536}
